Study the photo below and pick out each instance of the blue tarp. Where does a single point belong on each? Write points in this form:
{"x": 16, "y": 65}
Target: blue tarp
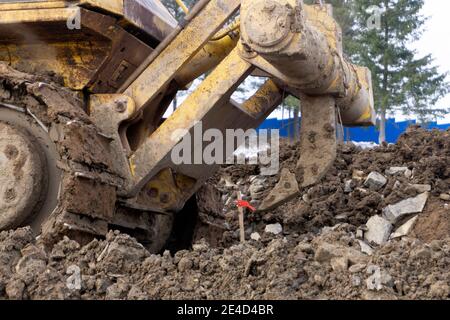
{"x": 393, "y": 130}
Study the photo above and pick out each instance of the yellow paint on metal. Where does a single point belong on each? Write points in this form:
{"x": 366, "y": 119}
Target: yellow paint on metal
{"x": 113, "y": 6}
{"x": 267, "y": 96}
{"x": 41, "y": 15}
{"x": 320, "y": 18}
{"x": 366, "y": 116}
{"x": 75, "y": 62}
{"x": 168, "y": 190}
{"x": 6, "y": 6}
{"x": 132, "y": 167}
{"x": 214, "y": 91}
{"x": 206, "y": 59}
{"x": 183, "y": 6}
{"x": 182, "y": 49}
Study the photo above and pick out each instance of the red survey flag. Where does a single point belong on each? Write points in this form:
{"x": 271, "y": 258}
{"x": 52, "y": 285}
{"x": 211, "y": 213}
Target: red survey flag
{"x": 245, "y": 204}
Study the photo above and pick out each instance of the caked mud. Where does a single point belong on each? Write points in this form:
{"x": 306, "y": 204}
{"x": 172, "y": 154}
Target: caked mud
{"x": 314, "y": 247}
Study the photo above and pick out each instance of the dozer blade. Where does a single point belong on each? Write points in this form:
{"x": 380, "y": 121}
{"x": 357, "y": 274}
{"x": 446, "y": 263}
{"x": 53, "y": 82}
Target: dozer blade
{"x": 318, "y": 151}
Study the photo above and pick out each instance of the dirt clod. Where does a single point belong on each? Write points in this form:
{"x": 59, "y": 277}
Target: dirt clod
{"x": 317, "y": 255}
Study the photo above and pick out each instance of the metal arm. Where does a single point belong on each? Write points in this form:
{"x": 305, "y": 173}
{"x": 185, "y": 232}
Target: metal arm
{"x": 296, "y": 45}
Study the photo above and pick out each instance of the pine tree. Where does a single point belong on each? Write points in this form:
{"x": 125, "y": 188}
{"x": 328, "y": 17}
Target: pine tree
{"x": 343, "y": 12}
{"x": 175, "y": 9}
{"x": 401, "y": 80}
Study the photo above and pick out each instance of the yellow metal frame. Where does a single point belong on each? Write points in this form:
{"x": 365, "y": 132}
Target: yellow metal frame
{"x": 201, "y": 46}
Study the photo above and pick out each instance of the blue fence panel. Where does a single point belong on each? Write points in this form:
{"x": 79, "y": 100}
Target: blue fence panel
{"x": 393, "y": 130}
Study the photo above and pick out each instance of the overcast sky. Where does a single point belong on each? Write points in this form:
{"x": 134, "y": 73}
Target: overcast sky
{"x": 436, "y": 39}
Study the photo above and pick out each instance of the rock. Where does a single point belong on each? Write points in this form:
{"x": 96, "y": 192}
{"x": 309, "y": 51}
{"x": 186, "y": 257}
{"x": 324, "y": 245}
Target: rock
{"x": 358, "y": 175}
{"x": 359, "y": 234}
{"x": 305, "y": 247}
{"x": 392, "y": 171}
{"x": 185, "y": 264}
{"x": 252, "y": 179}
{"x": 387, "y": 280}
{"x": 445, "y": 197}
{"x": 257, "y": 196}
{"x": 440, "y": 290}
{"x": 136, "y": 293}
{"x": 348, "y": 186}
{"x": 275, "y": 229}
{"x": 408, "y": 174}
{"x": 339, "y": 264}
{"x": 394, "y": 213}
{"x": 257, "y": 188}
{"x": 319, "y": 280}
{"x": 87, "y": 282}
{"x": 255, "y": 236}
{"x": 118, "y": 290}
{"x": 365, "y": 248}
{"x": 379, "y": 230}
{"x": 126, "y": 247}
{"x": 269, "y": 170}
{"x": 229, "y": 201}
{"x": 33, "y": 261}
{"x": 405, "y": 229}
{"x": 356, "y": 268}
{"x": 305, "y": 198}
{"x": 285, "y": 190}
{"x": 15, "y": 289}
{"x": 200, "y": 247}
{"x": 326, "y": 251}
{"x": 421, "y": 188}
{"x": 341, "y": 217}
{"x": 378, "y": 279}
{"x": 356, "y": 281}
{"x": 421, "y": 254}
{"x": 226, "y": 181}
{"x": 101, "y": 284}
{"x": 397, "y": 185}
{"x": 375, "y": 181}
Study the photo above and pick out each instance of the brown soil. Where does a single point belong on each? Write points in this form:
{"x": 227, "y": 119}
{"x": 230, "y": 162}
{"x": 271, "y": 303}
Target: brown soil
{"x": 317, "y": 256}
{"x": 434, "y": 224}
{"x": 327, "y": 203}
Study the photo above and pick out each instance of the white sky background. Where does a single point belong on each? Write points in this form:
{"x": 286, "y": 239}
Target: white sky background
{"x": 435, "y": 40}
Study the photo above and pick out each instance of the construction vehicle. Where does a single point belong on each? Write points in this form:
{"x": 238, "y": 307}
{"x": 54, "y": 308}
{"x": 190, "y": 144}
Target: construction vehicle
{"x": 84, "y": 86}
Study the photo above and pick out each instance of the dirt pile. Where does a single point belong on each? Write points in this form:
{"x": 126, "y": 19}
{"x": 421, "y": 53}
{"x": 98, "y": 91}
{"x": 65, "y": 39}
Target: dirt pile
{"x": 418, "y": 163}
{"x": 330, "y": 265}
{"x": 318, "y": 246}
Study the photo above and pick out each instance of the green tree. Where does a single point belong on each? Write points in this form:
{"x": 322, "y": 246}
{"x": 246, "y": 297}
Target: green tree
{"x": 292, "y": 105}
{"x": 343, "y": 12}
{"x": 175, "y": 9}
{"x": 402, "y": 81}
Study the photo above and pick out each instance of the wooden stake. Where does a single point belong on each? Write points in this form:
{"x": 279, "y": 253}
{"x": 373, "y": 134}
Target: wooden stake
{"x": 241, "y": 218}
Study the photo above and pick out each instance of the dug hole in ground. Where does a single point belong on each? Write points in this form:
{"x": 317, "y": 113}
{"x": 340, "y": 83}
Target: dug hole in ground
{"x": 376, "y": 227}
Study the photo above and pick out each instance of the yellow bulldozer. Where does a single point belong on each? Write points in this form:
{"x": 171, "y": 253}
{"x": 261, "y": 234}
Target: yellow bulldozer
{"x": 85, "y": 84}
